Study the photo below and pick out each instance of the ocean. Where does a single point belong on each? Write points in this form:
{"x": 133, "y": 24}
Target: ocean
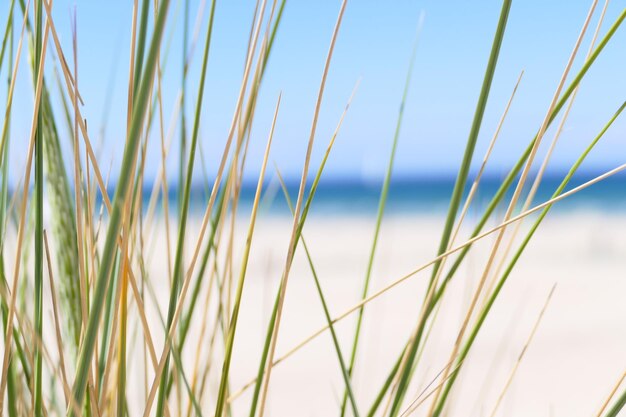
{"x": 354, "y": 197}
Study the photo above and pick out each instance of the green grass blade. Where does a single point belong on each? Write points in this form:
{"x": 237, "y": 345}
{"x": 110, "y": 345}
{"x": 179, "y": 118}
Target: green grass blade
{"x": 179, "y": 365}
{"x": 463, "y": 173}
{"x": 485, "y": 311}
{"x": 183, "y": 109}
{"x": 141, "y": 44}
{"x": 7, "y": 29}
{"x": 38, "y": 295}
{"x": 381, "y": 394}
{"x": 617, "y": 406}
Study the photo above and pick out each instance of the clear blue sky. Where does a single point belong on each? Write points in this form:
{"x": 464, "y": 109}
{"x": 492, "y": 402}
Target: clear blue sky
{"x": 374, "y": 43}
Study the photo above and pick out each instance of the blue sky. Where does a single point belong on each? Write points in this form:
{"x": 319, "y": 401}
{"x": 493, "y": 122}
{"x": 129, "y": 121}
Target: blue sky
{"x": 374, "y": 43}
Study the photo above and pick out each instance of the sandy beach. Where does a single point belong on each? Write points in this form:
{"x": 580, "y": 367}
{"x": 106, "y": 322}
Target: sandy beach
{"x": 572, "y": 364}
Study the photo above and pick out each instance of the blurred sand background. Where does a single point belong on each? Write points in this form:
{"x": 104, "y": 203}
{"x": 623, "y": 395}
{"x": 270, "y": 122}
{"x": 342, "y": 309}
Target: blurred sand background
{"x": 573, "y": 362}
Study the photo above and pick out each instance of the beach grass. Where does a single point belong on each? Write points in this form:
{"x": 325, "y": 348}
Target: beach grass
{"x": 114, "y": 325}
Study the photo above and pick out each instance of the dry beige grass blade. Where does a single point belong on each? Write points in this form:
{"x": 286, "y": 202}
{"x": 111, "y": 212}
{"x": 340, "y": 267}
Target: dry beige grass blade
{"x": 422, "y": 398}
{"x": 122, "y": 306}
{"x": 422, "y": 267}
{"x": 296, "y": 220}
{"x": 78, "y": 188}
{"x": 421, "y": 392}
{"x": 523, "y": 352}
{"x": 544, "y": 164}
{"x": 22, "y": 218}
{"x": 131, "y": 66}
{"x": 611, "y": 394}
{"x": 513, "y": 202}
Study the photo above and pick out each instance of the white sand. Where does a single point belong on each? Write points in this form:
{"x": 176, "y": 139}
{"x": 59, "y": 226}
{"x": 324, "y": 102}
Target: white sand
{"x": 575, "y": 359}
{"x": 569, "y": 369}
